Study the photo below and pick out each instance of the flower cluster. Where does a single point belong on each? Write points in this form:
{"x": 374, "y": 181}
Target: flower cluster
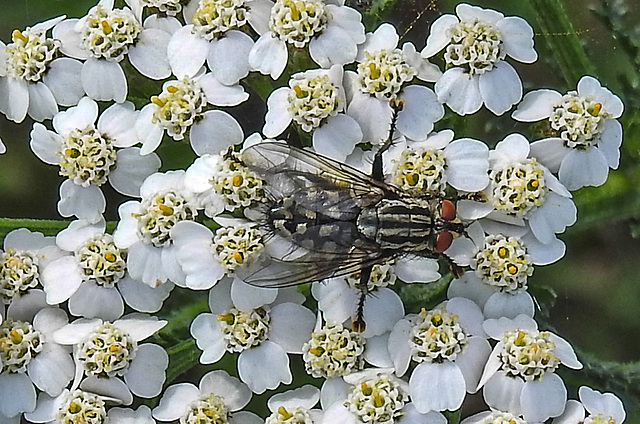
{"x": 251, "y": 217}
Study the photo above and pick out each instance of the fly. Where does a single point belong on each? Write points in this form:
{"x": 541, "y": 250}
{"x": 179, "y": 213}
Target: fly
{"x": 331, "y": 219}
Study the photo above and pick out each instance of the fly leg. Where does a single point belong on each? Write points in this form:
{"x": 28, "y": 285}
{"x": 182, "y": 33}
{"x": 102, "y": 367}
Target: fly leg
{"x": 358, "y": 324}
{"x": 377, "y": 170}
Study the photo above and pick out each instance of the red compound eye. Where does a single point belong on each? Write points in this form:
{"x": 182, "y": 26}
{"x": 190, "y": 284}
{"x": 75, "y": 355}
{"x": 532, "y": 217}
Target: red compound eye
{"x": 443, "y": 241}
{"x": 448, "y": 210}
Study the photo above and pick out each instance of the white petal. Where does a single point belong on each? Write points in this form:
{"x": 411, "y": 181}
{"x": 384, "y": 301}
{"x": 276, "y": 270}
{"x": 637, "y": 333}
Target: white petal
{"x": 42, "y": 104}
{"x": 209, "y": 338}
{"x": 131, "y": 170}
{"x": 460, "y": 91}
{"x": 168, "y": 24}
{"x": 93, "y": 301}
{"x": 338, "y": 413}
{"x": 610, "y": 141}
{"x": 470, "y": 287}
{"x": 373, "y": 116}
{"x": 45, "y": 144}
{"x": 565, "y": 352}
{"x": 61, "y": 278}
{"x": 550, "y": 152}
{"x": 602, "y": 403}
{"x": 503, "y": 393}
{"x": 502, "y": 304}
{"x": 467, "y": 164}
{"x": 425, "y": 70}
{"x": 537, "y": 105}
{"x": 258, "y": 14}
{"x": 17, "y": 394}
{"x": 544, "y": 254}
{"x": 335, "y": 299}
{"x": 469, "y": 315}
{"x": 149, "y": 54}
{"x": 81, "y": 116}
{"x": 219, "y": 94}
{"x": 118, "y": 122}
{"x": 109, "y": 387}
{"x": 337, "y": 137}
{"x": 573, "y": 413}
{"x": 399, "y": 348}
{"x": 304, "y": 397}
{"x": 377, "y": 351}
{"x": 381, "y": 312}
{"x": 472, "y": 361}
{"x": 145, "y": 263}
{"x": 46, "y": 409}
{"x": 543, "y": 399}
{"x": 235, "y": 393}
{"x": 142, "y": 415}
{"x": 421, "y": 109}
{"x": 52, "y": 369}
{"x": 291, "y": 326}
{"x": 501, "y": 88}
{"x": 385, "y": 37}
{"x": 229, "y": 57}
{"x": 104, "y": 80}
{"x": 552, "y": 217}
{"x": 14, "y": 98}
{"x": 269, "y": 56}
{"x": 140, "y": 326}
{"x": 347, "y": 19}
{"x": 514, "y": 148}
{"x": 246, "y": 297}
{"x": 517, "y": 39}
{"x": 146, "y": 373}
{"x": 187, "y": 52}
{"x": 333, "y": 46}
{"x": 437, "y": 387}
{"x": 141, "y": 297}
{"x": 83, "y": 202}
{"x": 70, "y": 38}
{"x": 466, "y": 12}
{"x": 581, "y": 168}
{"x": 438, "y": 37}
{"x": 278, "y": 116}
{"x": 49, "y": 320}
{"x": 590, "y": 87}
{"x": 27, "y": 306}
{"x": 215, "y": 132}
{"x": 264, "y": 367}
{"x": 417, "y": 270}
{"x": 175, "y": 401}
{"x": 149, "y": 134}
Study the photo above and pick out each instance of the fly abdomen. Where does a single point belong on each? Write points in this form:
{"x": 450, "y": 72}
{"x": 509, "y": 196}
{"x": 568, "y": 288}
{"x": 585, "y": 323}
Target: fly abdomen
{"x": 403, "y": 224}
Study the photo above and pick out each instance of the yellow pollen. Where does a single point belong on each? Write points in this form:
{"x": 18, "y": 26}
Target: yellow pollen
{"x": 16, "y": 34}
{"x": 520, "y": 338}
{"x": 299, "y": 92}
{"x": 72, "y": 153}
{"x": 375, "y": 72}
{"x": 114, "y": 348}
{"x": 596, "y": 109}
{"x": 295, "y": 13}
{"x": 237, "y": 180}
{"x": 535, "y": 184}
{"x": 412, "y": 179}
{"x": 378, "y": 401}
{"x": 228, "y": 318}
{"x": 172, "y": 89}
{"x": 110, "y": 257}
{"x": 284, "y": 413}
{"x": 366, "y": 390}
{"x": 503, "y": 252}
{"x": 74, "y": 408}
{"x": 317, "y": 351}
{"x": 166, "y": 210}
{"x": 16, "y": 337}
{"x": 512, "y": 269}
{"x": 238, "y": 256}
{"x": 106, "y": 27}
{"x": 156, "y": 100}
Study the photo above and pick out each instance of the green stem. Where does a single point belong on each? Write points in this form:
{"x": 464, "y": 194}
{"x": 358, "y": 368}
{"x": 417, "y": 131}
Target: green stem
{"x": 48, "y": 227}
{"x": 182, "y": 357}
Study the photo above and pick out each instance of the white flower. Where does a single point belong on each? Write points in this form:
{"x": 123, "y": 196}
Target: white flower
{"x": 181, "y": 108}
{"x": 218, "y": 399}
{"x": 25, "y": 254}
{"x": 382, "y": 75}
{"x": 295, "y": 406}
{"x": 427, "y": 166}
{"x": 588, "y": 136}
{"x": 112, "y": 360}
{"x": 315, "y": 101}
{"x": 501, "y": 262}
{"x": 494, "y": 417}
{"x": 223, "y": 183}
{"x": 603, "y": 408}
{"x": 215, "y": 33}
{"x": 30, "y": 355}
{"x": 522, "y": 191}
{"x": 372, "y": 396}
{"x": 145, "y": 225}
{"x": 331, "y": 30}
{"x": 91, "y": 154}
{"x": 32, "y": 80}
{"x": 519, "y": 376}
{"x": 450, "y": 347}
{"x": 103, "y": 38}
{"x": 82, "y": 406}
{"x": 477, "y": 41}
{"x": 206, "y": 257}
{"x": 94, "y": 277}
{"x": 338, "y": 298}
{"x": 263, "y": 325}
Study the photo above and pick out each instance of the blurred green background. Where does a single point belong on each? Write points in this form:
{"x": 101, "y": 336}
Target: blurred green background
{"x": 596, "y": 305}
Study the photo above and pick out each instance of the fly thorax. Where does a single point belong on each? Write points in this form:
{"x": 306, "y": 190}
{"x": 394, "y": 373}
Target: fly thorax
{"x": 404, "y": 224}
{"x": 19, "y": 344}
{"x": 80, "y": 407}
{"x": 214, "y": 18}
{"x": 528, "y": 354}
{"x": 108, "y": 34}
{"x": 244, "y": 330}
{"x": 333, "y": 351}
{"x": 579, "y": 120}
{"x": 179, "y": 106}
{"x": 383, "y": 73}
{"x": 18, "y": 273}
{"x": 296, "y": 22}
{"x": 29, "y": 55}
